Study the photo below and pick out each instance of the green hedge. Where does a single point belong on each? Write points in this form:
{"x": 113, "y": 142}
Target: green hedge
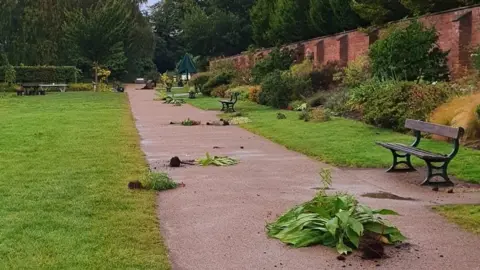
{"x": 43, "y": 74}
{"x": 80, "y": 87}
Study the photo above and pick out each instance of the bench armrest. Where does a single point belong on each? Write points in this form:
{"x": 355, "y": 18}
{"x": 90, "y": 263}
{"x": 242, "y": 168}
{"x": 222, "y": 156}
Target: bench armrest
{"x": 418, "y": 138}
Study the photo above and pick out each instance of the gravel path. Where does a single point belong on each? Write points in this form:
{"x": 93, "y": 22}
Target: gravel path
{"x": 217, "y": 221}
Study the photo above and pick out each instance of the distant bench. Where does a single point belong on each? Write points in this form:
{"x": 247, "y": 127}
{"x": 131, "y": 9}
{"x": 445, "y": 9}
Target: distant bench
{"x": 430, "y": 158}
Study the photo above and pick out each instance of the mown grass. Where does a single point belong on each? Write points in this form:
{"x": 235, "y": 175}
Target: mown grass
{"x": 65, "y": 160}
{"x": 341, "y": 142}
{"x": 466, "y": 216}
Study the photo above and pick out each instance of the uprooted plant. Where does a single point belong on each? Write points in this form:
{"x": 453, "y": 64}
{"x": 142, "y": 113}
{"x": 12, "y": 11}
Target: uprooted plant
{"x": 336, "y": 221}
{"x": 158, "y": 181}
{"x": 216, "y": 161}
{"x": 174, "y": 101}
{"x": 190, "y": 122}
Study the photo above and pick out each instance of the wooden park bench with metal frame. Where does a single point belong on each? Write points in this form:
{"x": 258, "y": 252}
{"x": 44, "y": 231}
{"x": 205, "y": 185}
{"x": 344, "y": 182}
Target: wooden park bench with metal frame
{"x": 402, "y": 151}
{"x": 229, "y": 105}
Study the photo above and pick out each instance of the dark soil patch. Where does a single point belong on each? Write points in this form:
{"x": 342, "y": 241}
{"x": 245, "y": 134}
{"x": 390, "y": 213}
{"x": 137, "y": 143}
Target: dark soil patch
{"x": 371, "y": 249}
{"x": 175, "y": 162}
{"x": 135, "y": 185}
{"x": 387, "y": 196}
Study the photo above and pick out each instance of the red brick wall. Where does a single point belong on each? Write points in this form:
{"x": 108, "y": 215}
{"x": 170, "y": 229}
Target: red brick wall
{"x": 458, "y": 30}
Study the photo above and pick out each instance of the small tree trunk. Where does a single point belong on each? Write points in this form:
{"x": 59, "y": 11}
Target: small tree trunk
{"x": 96, "y": 77}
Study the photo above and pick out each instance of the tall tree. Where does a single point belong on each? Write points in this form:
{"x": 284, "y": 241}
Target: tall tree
{"x": 95, "y": 35}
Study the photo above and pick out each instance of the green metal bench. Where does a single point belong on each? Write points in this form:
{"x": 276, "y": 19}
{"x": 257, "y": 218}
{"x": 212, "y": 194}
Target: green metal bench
{"x": 229, "y": 105}
{"x": 404, "y": 152}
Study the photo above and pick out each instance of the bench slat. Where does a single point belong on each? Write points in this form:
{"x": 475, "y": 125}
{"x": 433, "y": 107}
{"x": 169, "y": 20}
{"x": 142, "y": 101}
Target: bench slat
{"x": 423, "y": 154}
{"x": 445, "y": 131}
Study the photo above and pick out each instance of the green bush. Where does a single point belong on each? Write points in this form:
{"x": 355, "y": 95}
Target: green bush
{"x": 200, "y": 79}
{"x": 275, "y": 91}
{"x": 80, "y": 87}
{"x": 219, "y": 91}
{"x": 223, "y": 78}
{"x": 388, "y": 104}
{"x": 278, "y": 59}
{"x": 338, "y": 102}
{"x": 6, "y": 87}
{"x": 43, "y": 74}
{"x": 409, "y": 54}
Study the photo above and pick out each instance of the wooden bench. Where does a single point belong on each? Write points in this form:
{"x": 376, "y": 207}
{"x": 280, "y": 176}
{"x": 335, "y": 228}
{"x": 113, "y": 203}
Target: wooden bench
{"x": 437, "y": 164}
{"x": 229, "y": 105}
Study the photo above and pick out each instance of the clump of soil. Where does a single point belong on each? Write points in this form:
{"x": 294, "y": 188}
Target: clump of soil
{"x": 371, "y": 248}
{"x": 175, "y": 162}
{"x": 386, "y": 195}
{"x": 135, "y": 185}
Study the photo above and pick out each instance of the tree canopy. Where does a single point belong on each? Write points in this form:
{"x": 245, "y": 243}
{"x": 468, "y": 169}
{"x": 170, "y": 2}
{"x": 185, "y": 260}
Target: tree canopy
{"x": 119, "y": 35}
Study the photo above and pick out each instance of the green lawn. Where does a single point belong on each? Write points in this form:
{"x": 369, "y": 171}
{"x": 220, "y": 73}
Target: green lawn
{"x": 65, "y": 160}
{"x": 340, "y": 142}
{"x": 466, "y": 216}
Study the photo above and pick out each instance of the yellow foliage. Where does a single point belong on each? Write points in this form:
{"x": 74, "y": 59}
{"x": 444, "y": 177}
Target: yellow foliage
{"x": 303, "y": 69}
{"x": 254, "y": 92}
{"x": 459, "y": 112}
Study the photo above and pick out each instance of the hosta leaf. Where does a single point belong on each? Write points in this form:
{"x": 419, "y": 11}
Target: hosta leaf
{"x": 356, "y": 226}
{"x": 353, "y": 237}
{"x": 341, "y": 203}
{"x": 342, "y": 248}
{"x": 332, "y": 226}
{"x": 379, "y": 228}
{"x": 343, "y": 216}
{"x": 396, "y": 237}
{"x": 385, "y": 212}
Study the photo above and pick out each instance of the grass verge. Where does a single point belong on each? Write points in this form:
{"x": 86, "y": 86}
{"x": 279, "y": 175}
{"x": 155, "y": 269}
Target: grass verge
{"x": 66, "y": 159}
{"x": 340, "y": 142}
{"x": 466, "y": 216}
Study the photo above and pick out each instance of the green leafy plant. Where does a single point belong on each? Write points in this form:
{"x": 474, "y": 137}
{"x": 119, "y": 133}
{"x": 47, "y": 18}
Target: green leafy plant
{"x": 281, "y": 116}
{"x": 216, "y": 161}
{"x": 161, "y": 95}
{"x": 158, "y": 181}
{"x": 174, "y": 101}
{"x": 337, "y": 221}
{"x": 190, "y": 122}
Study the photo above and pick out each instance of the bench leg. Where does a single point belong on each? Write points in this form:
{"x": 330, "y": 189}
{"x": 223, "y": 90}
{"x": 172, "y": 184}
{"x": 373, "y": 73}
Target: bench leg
{"x": 230, "y": 108}
{"x": 407, "y": 162}
{"x": 440, "y": 171}
{"x": 223, "y": 107}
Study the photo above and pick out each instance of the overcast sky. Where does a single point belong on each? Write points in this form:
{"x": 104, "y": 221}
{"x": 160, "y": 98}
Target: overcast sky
{"x": 151, "y": 2}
